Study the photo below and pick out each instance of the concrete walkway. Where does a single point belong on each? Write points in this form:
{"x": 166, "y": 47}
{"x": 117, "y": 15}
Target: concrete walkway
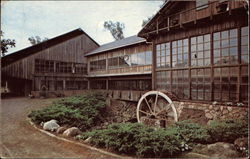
{"x": 20, "y": 140}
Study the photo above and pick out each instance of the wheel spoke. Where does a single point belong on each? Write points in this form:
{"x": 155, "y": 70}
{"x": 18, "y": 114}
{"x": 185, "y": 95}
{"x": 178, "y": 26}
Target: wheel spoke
{"x": 145, "y": 112}
{"x": 148, "y": 106}
{"x": 170, "y": 114}
{"x": 156, "y": 98}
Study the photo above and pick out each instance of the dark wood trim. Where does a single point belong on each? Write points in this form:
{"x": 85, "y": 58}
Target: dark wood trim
{"x": 154, "y": 66}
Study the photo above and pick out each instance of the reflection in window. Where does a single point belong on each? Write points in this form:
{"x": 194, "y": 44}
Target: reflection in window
{"x": 201, "y": 84}
{"x": 200, "y": 50}
{"x": 244, "y": 45}
{"x": 140, "y": 85}
{"x": 225, "y": 83}
{"x": 98, "y": 65}
{"x": 180, "y": 53}
{"x": 180, "y": 84}
{"x": 244, "y": 83}
{"x": 225, "y": 47}
{"x": 163, "y": 55}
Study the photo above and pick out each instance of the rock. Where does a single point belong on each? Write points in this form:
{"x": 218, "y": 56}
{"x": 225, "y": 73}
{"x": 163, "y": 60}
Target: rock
{"x": 211, "y": 107}
{"x": 241, "y": 143}
{"x": 221, "y": 108}
{"x": 70, "y": 132}
{"x": 220, "y": 150}
{"x": 214, "y": 103}
{"x": 209, "y": 116}
{"x": 225, "y": 111}
{"x": 87, "y": 140}
{"x": 229, "y": 109}
{"x": 51, "y": 125}
{"x": 60, "y": 130}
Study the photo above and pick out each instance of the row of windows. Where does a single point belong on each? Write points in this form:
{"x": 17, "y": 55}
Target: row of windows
{"x": 52, "y": 85}
{"x": 226, "y": 85}
{"x": 59, "y": 67}
{"x": 225, "y": 50}
{"x": 139, "y": 85}
{"x": 137, "y": 59}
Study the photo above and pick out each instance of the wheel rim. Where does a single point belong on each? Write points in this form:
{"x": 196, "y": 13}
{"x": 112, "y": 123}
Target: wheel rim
{"x": 155, "y": 106}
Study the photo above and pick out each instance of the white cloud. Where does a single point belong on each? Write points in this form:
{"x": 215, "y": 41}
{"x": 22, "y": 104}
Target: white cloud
{"x": 22, "y": 19}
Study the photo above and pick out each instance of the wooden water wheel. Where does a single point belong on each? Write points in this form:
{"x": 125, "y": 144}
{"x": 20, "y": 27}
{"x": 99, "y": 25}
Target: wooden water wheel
{"x": 156, "y": 109}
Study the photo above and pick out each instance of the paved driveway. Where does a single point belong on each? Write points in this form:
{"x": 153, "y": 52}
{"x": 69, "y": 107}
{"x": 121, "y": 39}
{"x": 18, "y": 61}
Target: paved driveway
{"x": 20, "y": 140}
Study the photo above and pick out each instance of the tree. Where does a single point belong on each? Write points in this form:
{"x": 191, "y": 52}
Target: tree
{"x": 6, "y": 43}
{"x": 144, "y": 22}
{"x": 36, "y": 40}
{"x": 115, "y": 28}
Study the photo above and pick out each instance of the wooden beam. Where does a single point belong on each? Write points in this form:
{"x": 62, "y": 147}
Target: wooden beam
{"x": 153, "y": 66}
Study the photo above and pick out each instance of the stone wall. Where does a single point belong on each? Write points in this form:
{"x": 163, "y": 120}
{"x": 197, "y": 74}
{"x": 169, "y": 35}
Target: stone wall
{"x": 203, "y": 113}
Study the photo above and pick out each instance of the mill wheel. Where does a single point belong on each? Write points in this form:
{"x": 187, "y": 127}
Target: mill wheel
{"x": 156, "y": 109}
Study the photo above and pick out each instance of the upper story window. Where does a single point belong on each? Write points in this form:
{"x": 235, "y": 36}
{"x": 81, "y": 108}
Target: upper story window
{"x": 98, "y": 65}
{"x": 163, "y": 55}
{"x": 200, "y": 4}
{"x": 244, "y": 45}
{"x": 200, "y": 50}
{"x": 225, "y": 47}
{"x": 180, "y": 53}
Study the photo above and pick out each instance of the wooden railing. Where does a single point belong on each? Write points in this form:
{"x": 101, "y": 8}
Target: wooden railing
{"x": 197, "y": 13}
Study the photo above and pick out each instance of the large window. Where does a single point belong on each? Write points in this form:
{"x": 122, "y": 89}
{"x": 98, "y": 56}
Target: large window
{"x": 140, "y": 85}
{"x": 244, "y": 45}
{"x": 163, "y": 55}
{"x": 225, "y": 47}
{"x": 201, "y": 84}
{"x": 98, "y": 65}
{"x": 136, "y": 59}
{"x": 217, "y": 70}
{"x": 180, "y": 53}
{"x": 200, "y": 50}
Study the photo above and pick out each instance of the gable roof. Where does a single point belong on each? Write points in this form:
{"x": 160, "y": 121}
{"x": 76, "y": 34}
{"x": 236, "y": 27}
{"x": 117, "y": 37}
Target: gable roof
{"x": 10, "y": 58}
{"x": 117, "y": 44}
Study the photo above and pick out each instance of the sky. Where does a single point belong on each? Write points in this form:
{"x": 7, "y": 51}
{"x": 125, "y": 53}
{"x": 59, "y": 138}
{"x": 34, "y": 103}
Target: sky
{"x": 23, "y": 19}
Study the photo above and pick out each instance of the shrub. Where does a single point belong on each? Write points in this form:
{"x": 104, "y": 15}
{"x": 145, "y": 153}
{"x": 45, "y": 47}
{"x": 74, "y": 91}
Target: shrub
{"x": 81, "y": 111}
{"x": 135, "y": 138}
{"x": 228, "y": 130}
{"x": 191, "y": 132}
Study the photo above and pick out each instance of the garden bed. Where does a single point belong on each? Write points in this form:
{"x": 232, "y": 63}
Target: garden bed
{"x": 89, "y": 113}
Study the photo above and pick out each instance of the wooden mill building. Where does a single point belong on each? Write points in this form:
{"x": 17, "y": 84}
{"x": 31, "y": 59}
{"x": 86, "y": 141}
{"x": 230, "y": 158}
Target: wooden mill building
{"x": 200, "y": 50}
{"x": 52, "y": 68}
{"x": 195, "y": 50}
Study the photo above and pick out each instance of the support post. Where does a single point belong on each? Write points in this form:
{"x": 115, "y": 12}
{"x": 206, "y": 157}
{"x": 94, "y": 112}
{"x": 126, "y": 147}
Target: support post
{"x": 154, "y": 66}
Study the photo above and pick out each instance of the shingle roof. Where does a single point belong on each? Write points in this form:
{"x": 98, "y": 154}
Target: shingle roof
{"x": 10, "y": 58}
{"x": 117, "y": 44}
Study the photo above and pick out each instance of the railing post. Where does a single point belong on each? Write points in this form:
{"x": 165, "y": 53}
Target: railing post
{"x": 181, "y": 20}
{"x": 168, "y": 23}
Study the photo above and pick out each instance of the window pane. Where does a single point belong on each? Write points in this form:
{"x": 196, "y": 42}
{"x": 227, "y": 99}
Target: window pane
{"x": 233, "y": 33}
{"x": 224, "y": 35}
{"x": 216, "y": 36}
{"x": 244, "y": 31}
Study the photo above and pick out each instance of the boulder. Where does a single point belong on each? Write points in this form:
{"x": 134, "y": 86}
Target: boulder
{"x": 60, "y": 130}
{"x": 51, "y": 125}
{"x": 71, "y": 132}
{"x": 220, "y": 150}
{"x": 241, "y": 143}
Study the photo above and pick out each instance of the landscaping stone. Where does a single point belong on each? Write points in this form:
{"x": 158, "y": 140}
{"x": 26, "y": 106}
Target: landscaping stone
{"x": 71, "y": 132}
{"x": 60, "y": 130}
{"x": 220, "y": 150}
{"x": 241, "y": 143}
{"x": 51, "y": 125}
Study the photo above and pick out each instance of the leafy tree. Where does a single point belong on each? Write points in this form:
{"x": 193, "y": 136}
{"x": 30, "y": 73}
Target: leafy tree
{"x": 115, "y": 28}
{"x": 144, "y": 22}
{"x": 36, "y": 40}
{"x": 6, "y": 43}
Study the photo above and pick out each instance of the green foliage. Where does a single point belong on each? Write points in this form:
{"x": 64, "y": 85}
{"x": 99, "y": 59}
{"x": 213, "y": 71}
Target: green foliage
{"x": 228, "y": 130}
{"x": 191, "y": 132}
{"x": 81, "y": 111}
{"x": 115, "y": 28}
{"x": 135, "y": 138}
{"x": 6, "y": 43}
{"x": 36, "y": 40}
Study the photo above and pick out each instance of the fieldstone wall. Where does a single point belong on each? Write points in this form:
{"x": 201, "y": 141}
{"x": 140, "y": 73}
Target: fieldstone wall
{"x": 203, "y": 113}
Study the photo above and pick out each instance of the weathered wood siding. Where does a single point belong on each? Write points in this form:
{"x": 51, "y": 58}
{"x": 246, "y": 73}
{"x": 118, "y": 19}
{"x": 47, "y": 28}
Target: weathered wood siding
{"x": 72, "y": 50}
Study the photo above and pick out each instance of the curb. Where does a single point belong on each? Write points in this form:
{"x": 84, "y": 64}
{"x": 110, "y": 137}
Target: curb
{"x": 77, "y": 143}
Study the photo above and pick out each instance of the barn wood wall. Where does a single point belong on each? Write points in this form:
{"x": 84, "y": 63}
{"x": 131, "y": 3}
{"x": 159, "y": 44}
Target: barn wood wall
{"x": 119, "y": 52}
{"x": 72, "y": 50}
